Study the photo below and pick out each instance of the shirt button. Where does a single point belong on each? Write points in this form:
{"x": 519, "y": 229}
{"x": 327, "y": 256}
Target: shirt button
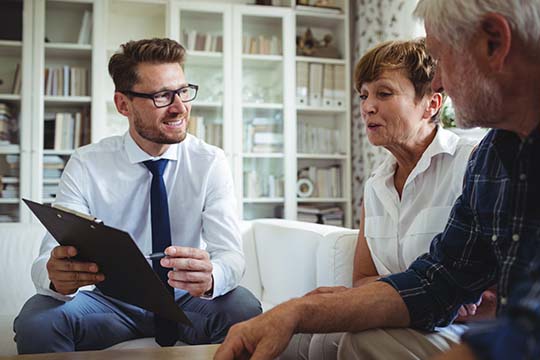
{"x": 522, "y": 177}
{"x": 515, "y": 237}
{"x": 494, "y": 238}
{"x": 504, "y": 300}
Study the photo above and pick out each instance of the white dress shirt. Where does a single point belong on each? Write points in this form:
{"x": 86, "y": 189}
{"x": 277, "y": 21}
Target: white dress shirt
{"x": 399, "y": 230}
{"x": 109, "y": 181}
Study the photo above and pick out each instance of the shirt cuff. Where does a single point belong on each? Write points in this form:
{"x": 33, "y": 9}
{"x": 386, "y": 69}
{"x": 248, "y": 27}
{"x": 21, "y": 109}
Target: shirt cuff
{"x": 409, "y": 287}
{"x": 219, "y": 282}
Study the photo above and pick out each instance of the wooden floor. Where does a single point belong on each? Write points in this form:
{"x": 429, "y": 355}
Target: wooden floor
{"x": 199, "y": 352}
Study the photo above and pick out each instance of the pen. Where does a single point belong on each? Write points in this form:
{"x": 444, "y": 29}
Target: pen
{"x": 155, "y": 256}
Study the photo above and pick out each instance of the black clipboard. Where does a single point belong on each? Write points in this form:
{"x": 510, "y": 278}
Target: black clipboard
{"x": 128, "y": 276}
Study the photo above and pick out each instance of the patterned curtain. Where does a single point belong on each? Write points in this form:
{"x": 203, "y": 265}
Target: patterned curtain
{"x": 374, "y": 21}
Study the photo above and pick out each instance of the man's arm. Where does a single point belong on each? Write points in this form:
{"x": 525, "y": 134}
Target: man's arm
{"x": 266, "y": 336}
{"x": 221, "y": 228}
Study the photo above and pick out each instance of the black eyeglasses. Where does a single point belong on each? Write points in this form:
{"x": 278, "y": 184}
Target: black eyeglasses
{"x": 166, "y": 97}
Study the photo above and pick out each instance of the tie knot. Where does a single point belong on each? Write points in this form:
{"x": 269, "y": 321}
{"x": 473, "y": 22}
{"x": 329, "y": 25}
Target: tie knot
{"x": 157, "y": 167}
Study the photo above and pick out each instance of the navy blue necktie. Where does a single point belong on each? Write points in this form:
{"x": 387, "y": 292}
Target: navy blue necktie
{"x": 166, "y": 330}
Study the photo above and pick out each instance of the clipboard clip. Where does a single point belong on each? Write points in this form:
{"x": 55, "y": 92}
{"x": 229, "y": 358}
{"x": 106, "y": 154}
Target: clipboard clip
{"x": 77, "y": 213}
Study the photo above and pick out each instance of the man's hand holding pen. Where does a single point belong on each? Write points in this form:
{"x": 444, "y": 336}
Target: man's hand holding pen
{"x": 68, "y": 275}
{"x": 191, "y": 269}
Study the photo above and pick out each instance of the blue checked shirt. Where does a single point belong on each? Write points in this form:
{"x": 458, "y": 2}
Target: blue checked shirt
{"x": 491, "y": 238}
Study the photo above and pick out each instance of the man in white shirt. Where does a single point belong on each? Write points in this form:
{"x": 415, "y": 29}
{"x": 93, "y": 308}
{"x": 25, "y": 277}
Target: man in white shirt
{"x": 114, "y": 181}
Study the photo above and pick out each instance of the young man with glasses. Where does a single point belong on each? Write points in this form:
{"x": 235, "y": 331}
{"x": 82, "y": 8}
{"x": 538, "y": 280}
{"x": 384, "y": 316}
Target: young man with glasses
{"x": 171, "y": 192}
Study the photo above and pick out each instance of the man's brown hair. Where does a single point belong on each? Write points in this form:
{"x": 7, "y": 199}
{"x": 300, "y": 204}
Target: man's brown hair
{"x": 409, "y": 56}
{"x": 123, "y": 64}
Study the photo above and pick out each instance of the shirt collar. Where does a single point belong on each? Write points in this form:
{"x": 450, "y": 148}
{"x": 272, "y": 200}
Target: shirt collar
{"x": 444, "y": 141}
{"x": 137, "y": 155}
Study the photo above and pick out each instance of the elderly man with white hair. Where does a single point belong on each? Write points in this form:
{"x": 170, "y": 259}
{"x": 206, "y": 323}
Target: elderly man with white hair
{"x": 487, "y": 54}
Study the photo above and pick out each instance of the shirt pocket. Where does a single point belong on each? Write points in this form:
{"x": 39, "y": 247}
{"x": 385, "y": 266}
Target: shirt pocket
{"x": 426, "y": 226}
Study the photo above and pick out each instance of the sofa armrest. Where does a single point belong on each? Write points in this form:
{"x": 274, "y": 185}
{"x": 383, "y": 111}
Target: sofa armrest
{"x": 335, "y": 256}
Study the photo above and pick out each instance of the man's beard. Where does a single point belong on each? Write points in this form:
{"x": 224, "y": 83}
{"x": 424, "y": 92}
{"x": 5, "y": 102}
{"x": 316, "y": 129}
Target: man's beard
{"x": 481, "y": 103}
{"x": 152, "y": 133}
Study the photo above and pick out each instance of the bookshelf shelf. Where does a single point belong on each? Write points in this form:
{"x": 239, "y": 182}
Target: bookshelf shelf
{"x": 255, "y": 58}
{"x": 322, "y": 156}
{"x": 63, "y": 50}
{"x": 270, "y": 106}
{"x": 10, "y": 48}
{"x": 263, "y": 200}
{"x": 10, "y": 149}
{"x": 9, "y": 200}
{"x": 207, "y": 104}
{"x": 322, "y": 200}
{"x": 312, "y": 19}
{"x": 9, "y": 180}
{"x": 10, "y": 97}
{"x": 51, "y": 181}
{"x": 321, "y": 60}
{"x": 67, "y": 100}
{"x": 314, "y": 110}
{"x": 57, "y": 152}
{"x": 262, "y": 155}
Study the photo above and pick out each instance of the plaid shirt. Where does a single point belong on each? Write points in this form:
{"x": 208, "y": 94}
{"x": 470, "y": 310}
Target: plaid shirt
{"x": 492, "y": 237}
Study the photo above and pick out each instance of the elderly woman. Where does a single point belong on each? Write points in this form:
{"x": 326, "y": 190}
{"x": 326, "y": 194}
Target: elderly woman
{"x": 408, "y": 199}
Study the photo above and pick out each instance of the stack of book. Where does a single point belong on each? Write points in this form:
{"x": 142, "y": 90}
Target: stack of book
{"x": 9, "y": 165}
{"x": 65, "y": 131}
{"x": 7, "y": 127}
{"x": 257, "y": 184}
{"x": 66, "y": 81}
{"x": 53, "y": 166}
{"x": 193, "y": 40}
{"x": 264, "y": 135}
{"x": 317, "y": 140}
{"x": 326, "y": 181}
{"x": 320, "y": 85}
{"x": 16, "y": 87}
{"x": 323, "y": 10}
{"x": 330, "y": 215}
{"x": 210, "y": 132}
{"x": 261, "y": 45}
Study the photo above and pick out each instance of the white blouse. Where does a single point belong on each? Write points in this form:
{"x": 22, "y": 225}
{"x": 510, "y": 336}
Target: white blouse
{"x": 399, "y": 230}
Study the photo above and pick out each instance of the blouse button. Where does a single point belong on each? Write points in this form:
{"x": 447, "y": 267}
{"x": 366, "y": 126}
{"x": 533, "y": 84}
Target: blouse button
{"x": 515, "y": 237}
{"x": 504, "y": 300}
{"x": 522, "y": 177}
{"x": 494, "y": 238}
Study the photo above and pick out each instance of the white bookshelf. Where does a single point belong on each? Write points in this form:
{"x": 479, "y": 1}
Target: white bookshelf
{"x": 238, "y": 88}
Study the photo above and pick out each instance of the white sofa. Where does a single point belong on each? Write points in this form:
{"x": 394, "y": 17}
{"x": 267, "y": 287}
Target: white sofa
{"x": 284, "y": 259}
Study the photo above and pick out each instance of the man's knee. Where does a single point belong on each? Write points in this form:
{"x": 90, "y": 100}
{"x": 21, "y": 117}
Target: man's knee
{"x": 40, "y": 320}
{"x": 240, "y": 305}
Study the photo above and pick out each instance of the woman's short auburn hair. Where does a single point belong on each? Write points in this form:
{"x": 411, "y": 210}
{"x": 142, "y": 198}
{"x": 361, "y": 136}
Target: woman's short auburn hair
{"x": 409, "y": 56}
{"x": 123, "y": 64}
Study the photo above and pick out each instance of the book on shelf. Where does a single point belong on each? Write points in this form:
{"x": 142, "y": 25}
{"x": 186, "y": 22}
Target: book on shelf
{"x": 313, "y": 139}
{"x": 85, "y": 32}
{"x": 328, "y": 86}
{"x": 65, "y": 81}
{"x": 261, "y": 184}
{"x": 319, "y": 9}
{"x": 261, "y": 45}
{"x": 8, "y": 127}
{"x": 327, "y": 214}
{"x": 9, "y": 165}
{"x": 315, "y": 84}
{"x": 65, "y": 131}
{"x": 302, "y": 83}
{"x": 16, "y": 86}
{"x": 339, "y": 86}
{"x": 195, "y": 41}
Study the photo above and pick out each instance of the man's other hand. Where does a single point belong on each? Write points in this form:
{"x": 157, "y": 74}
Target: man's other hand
{"x": 68, "y": 275}
{"x": 191, "y": 269}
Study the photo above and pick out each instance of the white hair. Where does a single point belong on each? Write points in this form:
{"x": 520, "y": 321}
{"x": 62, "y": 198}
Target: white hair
{"x": 454, "y": 21}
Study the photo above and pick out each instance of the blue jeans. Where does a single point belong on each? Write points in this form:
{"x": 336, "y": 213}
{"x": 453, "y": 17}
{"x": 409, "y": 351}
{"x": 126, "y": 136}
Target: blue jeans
{"x": 93, "y": 321}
